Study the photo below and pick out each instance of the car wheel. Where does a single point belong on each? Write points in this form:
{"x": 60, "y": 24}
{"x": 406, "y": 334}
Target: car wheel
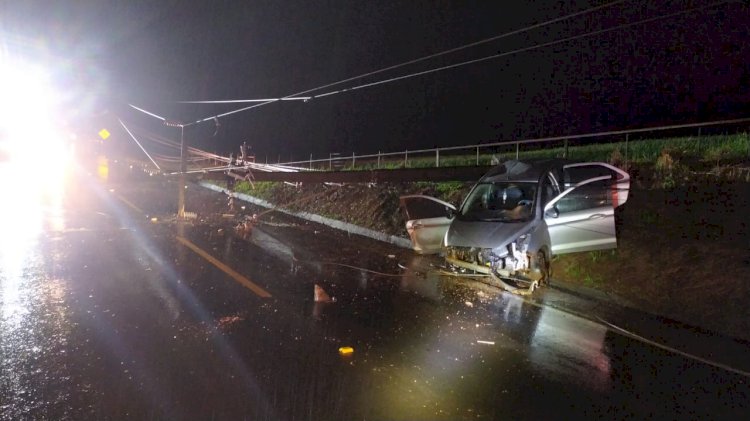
{"x": 544, "y": 267}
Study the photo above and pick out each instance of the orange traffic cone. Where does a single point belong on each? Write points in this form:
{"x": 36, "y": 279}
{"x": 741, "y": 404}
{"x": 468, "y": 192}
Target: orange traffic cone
{"x": 321, "y": 296}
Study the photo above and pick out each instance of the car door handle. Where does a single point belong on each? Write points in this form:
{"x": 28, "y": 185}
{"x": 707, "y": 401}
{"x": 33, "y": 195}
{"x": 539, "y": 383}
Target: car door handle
{"x": 417, "y": 225}
{"x": 597, "y": 216}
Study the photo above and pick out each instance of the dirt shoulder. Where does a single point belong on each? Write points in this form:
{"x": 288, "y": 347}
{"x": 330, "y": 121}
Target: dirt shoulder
{"x": 683, "y": 248}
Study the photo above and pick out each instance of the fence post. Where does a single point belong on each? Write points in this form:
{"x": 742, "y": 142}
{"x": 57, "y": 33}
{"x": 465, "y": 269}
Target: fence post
{"x": 437, "y": 157}
{"x": 330, "y": 161}
{"x": 565, "y": 148}
{"x": 378, "y": 159}
{"x": 518, "y": 146}
{"x": 406, "y": 158}
{"x": 477, "y": 156}
{"x": 310, "y": 161}
{"x": 352, "y": 160}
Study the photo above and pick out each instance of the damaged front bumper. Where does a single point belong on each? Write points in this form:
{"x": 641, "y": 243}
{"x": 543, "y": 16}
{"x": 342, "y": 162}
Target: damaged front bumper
{"x": 522, "y": 282}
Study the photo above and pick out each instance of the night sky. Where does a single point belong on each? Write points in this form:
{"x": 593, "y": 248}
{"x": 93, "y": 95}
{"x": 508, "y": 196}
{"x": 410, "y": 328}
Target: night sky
{"x": 684, "y": 69}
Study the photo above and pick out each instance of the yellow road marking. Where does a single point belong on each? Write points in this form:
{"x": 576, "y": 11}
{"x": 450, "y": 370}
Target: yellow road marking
{"x": 132, "y": 206}
{"x": 226, "y": 269}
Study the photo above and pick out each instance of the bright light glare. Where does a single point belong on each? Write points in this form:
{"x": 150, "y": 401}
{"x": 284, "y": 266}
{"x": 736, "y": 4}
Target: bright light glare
{"x": 29, "y": 136}
{"x": 35, "y": 157}
{"x": 28, "y": 112}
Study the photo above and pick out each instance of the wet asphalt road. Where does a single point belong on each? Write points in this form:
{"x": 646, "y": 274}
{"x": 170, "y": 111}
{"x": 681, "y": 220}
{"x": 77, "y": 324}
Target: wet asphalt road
{"x": 107, "y": 315}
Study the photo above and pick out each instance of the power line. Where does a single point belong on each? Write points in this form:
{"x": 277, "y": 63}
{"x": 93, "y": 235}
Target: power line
{"x": 149, "y": 113}
{"x": 431, "y": 56}
{"x": 520, "y": 50}
{"x": 147, "y": 135}
{"x": 139, "y": 144}
{"x": 235, "y": 101}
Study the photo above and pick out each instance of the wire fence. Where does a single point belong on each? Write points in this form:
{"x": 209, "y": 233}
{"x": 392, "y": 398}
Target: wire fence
{"x": 556, "y": 146}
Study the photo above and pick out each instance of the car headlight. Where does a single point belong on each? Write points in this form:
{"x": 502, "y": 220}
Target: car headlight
{"x": 521, "y": 244}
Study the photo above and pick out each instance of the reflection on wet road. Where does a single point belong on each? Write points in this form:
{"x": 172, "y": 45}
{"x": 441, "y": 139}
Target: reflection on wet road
{"x": 106, "y": 315}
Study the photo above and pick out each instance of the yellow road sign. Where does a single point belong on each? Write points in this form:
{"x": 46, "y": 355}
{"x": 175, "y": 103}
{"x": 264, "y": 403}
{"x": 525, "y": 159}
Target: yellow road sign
{"x": 104, "y": 134}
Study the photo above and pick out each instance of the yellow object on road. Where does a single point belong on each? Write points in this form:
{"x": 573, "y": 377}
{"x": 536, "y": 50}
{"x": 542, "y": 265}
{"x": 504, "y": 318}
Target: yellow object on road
{"x": 346, "y": 350}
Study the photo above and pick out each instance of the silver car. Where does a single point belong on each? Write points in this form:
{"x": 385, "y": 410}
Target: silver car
{"x": 519, "y": 215}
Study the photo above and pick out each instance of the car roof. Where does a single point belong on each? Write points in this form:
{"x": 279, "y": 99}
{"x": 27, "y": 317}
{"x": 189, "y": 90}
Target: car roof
{"x": 528, "y": 170}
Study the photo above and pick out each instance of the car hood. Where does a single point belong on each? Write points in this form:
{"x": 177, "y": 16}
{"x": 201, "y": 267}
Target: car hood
{"x": 485, "y": 234}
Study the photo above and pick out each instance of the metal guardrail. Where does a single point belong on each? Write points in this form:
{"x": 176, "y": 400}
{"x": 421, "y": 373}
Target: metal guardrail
{"x": 335, "y": 160}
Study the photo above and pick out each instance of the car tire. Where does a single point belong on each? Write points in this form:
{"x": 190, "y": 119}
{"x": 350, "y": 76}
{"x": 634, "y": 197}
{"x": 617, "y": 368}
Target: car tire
{"x": 543, "y": 264}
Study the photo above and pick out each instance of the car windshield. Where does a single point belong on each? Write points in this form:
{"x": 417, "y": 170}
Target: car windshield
{"x": 500, "y": 201}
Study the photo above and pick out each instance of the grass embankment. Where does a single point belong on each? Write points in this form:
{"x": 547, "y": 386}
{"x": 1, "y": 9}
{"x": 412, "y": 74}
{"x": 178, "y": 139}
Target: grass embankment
{"x": 708, "y": 150}
{"x": 656, "y": 163}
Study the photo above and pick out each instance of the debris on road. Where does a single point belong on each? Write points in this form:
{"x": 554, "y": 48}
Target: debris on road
{"x": 227, "y": 321}
{"x": 346, "y": 350}
{"x": 486, "y": 342}
{"x": 230, "y": 202}
{"x": 245, "y": 227}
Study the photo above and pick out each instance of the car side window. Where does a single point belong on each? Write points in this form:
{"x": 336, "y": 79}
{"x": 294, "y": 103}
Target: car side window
{"x": 574, "y": 175}
{"x": 589, "y": 196}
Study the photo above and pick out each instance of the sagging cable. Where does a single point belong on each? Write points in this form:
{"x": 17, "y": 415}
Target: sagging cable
{"x": 396, "y": 66}
{"x": 243, "y": 101}
{"x": 516, "y": 51}
{"x": 664, "y": 347}
{"x": 139, "y": 144}
{"x": 361, "y": 269}
{"x": 148, "y": 112}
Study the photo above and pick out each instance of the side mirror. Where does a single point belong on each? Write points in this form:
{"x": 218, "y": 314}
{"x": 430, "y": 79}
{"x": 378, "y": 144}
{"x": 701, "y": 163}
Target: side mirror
{"x": 450, "y": 212}
{"x": 552, "y": 212}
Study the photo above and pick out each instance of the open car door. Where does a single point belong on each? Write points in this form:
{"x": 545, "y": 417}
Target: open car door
{"x": 427, "y": 220}
{"x": 582, "y": 217}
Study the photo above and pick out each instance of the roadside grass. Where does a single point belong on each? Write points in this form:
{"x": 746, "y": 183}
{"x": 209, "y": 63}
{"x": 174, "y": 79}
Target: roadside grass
{"x": 260, "y": 189}
{"x": 586, "y": 275}
{"x": 602, "y": 255}
{"x": 714, "y": 149}
{"x": 648, "y": 218}
{"x": 671, "y": 159}
{"x": 448, "y": 188}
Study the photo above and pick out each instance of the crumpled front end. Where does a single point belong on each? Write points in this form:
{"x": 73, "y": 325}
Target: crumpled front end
{"x": 506, "y": 261}
{"x": 484, "y": 247}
